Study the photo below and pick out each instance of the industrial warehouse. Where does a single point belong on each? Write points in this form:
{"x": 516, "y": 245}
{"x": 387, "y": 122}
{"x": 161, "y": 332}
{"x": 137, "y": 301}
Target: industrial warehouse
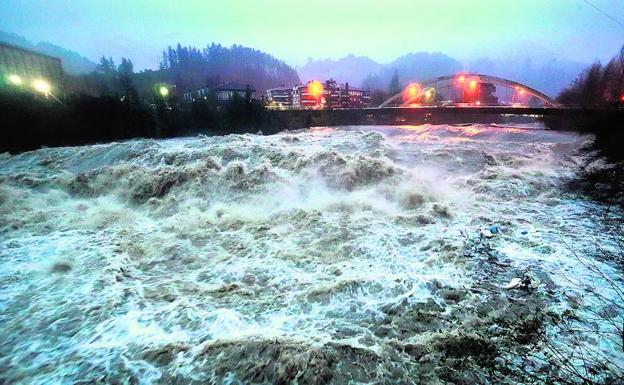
{"x": 29, "y": 69}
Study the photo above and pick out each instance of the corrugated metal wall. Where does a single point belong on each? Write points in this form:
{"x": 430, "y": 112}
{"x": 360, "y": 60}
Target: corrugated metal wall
{"x": 30, "y": 65}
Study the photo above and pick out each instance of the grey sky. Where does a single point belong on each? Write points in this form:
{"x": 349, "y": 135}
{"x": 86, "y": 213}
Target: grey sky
{"x": 295, "y": 30}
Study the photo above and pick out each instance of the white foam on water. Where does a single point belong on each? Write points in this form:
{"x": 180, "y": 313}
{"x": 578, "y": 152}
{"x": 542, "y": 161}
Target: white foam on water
{"x": 111, "y": 250}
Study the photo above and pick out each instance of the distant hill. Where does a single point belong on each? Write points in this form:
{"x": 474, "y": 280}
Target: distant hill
{"x": 413, "y": 67}
{"x": 73, "y": 63}
{"x": 352, "y": 69}
{"x": 190, "y": 68}
{"x": 549, "y": 75}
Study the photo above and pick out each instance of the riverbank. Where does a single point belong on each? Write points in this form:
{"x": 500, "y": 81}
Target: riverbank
{"x": 32, "y": 121}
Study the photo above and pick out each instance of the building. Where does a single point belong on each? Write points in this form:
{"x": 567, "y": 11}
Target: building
{"x": 281, "y": 97}
{"x": 356, "y": 98}
{"x": 312, "y": 95}
{"x": 228, "y": 91}
{"x": 222, "y": 93}
{"x": 331, "y": 95}
{"x": 191, "y": 96}
{"x": 302, "y": 97}
{"x": 26, "y": 68}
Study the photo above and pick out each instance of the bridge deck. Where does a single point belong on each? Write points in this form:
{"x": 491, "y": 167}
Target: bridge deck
{"x": 489, "y": 110}
{"x": 552, "y": 117}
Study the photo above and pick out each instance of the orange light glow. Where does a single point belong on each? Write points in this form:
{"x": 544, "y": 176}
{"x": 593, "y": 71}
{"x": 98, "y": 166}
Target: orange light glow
{"x": 622, "y": 98}
{"x": 473, "y": 84}
{"x": 411, "y": 92}
{"x": 315, "y": 88}
{"x": 461, "y": 79}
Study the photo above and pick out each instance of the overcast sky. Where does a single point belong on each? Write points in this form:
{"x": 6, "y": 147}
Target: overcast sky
{"x": 295, "y": 30}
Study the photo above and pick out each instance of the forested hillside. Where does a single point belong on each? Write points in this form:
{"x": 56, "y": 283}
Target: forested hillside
{"x": 191, "y": 67}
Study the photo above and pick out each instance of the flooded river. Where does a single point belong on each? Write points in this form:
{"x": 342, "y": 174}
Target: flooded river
{"x": 428, "y": 254}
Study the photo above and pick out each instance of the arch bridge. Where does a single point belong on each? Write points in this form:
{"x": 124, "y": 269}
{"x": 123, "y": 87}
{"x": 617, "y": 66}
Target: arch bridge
{"x": 469, "y": 90}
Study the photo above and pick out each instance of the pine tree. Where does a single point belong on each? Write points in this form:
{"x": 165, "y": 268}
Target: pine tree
{"x": 394, "y": 87}
{"x": 126, "y": 85}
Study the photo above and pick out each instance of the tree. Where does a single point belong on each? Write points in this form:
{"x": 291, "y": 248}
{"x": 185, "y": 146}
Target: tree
{"x": 597, "y": 86}
{"x": 394, "y": 87}
{"x": 172, "y": 58}
{"x": 106, "y": 66}
{"x": 190, "y": 68}
{"x": 248, "y": 95}
{"x": 591, "y": 90}
{"x": 126, "y": 86}
{"x": 608, "y": 81}
{"x": 105, "y": 76}
{"x": 164, "y": 61}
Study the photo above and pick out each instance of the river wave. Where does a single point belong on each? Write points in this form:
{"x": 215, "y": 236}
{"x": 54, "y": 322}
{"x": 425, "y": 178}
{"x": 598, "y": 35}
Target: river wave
{"x": 327, "y": 255}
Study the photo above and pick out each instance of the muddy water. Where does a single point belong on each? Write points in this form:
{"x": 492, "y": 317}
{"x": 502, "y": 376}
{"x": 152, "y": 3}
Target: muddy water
{"x": 330, "y": 255}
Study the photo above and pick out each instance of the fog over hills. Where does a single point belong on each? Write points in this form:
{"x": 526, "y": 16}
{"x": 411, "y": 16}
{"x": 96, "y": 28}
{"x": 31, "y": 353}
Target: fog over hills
{"x": 351, "y": 68}
{"x": 413, "y": 67}
{"x": 547, "y": 74}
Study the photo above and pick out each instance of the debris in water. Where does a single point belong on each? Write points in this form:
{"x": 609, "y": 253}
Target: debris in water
{"x": 487, "y": 233}
{"x": 513, "y": 284}
{"x": 527, "y": 282}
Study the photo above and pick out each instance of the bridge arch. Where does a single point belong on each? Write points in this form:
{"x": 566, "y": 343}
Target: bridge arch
{"x": 465, "y": 79}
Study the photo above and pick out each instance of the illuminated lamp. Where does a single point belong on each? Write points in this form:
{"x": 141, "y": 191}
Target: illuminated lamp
{"x": 41, "y": 86}
{"x": 315, "y": 88}
{"x": 411, "y": 92}
{"x": 16, "y": 80}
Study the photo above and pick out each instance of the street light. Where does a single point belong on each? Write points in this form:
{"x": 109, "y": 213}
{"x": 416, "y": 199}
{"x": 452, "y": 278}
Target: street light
{"x": 411, "y": 92}
{"x": 163, "y": 91}
{"x": 315, "y": 88}
{"x": 41, "y": 86}
{"x": 16, "y": 80}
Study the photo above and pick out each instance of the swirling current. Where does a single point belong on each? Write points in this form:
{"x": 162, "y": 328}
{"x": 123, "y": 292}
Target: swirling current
{"x": 330, "y": 255}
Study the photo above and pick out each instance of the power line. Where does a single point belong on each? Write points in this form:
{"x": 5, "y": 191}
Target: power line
{"x": 604, "y": 13}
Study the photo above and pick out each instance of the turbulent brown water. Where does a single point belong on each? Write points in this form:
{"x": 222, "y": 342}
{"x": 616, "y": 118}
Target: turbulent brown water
{"x": 331, "y": 255}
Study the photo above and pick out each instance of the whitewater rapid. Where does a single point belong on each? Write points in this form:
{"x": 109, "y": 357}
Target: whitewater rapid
{"x": 317, "y": 256}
